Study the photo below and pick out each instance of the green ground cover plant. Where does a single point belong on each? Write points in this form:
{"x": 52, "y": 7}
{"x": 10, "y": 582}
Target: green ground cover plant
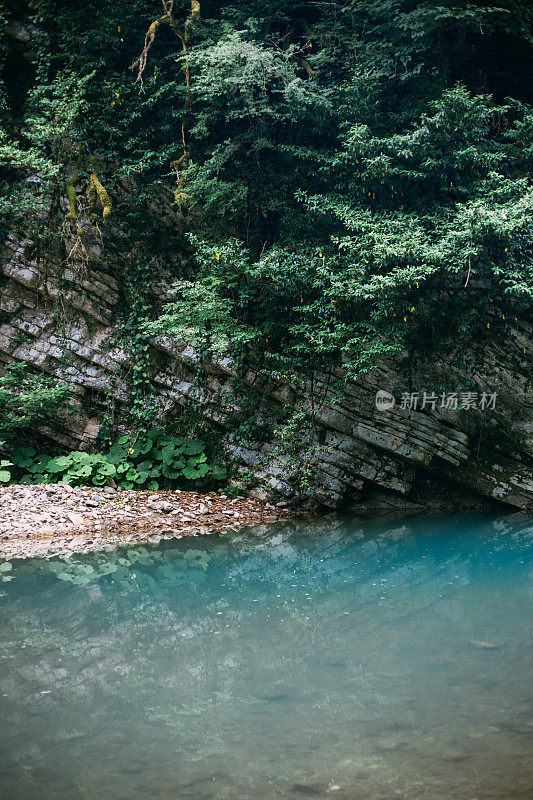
{"x": 150, "y": 460}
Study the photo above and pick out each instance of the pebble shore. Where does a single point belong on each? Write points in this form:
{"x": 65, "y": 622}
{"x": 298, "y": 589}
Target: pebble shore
{"x": 54, "y": 519}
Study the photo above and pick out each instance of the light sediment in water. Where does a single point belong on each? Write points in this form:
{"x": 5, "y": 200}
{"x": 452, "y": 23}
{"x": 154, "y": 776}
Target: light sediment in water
{"x": 325, "y": 660}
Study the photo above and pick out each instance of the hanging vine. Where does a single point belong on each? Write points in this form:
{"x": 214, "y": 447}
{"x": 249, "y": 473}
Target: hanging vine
{"x": 181, "y": 164}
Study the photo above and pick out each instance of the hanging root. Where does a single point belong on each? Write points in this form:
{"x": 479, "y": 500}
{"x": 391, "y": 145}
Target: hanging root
{"x": 168, "y": 19}
{"x": 96, "y": 188}
{"x": 148, "y": 42}
{"x": 61, "y": 314}
{"x": 77, "y": 257}
{"x": 180, "y": 195}
{"x": 140, "y": 63}
{"x": 96, "y": 228}
{"x": 194, "y": 15}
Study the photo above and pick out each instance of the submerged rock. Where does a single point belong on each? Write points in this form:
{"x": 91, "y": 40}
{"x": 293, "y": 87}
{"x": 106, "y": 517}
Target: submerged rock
{"x": 387, "y": 745}
{"x": 484, "y": 645}
{"x": 454, "y": 755}
{"x": 308, "y": 788}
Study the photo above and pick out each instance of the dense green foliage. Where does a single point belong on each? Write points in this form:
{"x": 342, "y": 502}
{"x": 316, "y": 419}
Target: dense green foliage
{"x": 326, "y": 182}
{"x": 26, "y": 398}
{"x": 151, "y": 460}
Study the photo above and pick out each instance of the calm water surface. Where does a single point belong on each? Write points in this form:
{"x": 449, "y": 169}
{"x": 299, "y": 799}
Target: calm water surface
{"x": 338, "y": 660}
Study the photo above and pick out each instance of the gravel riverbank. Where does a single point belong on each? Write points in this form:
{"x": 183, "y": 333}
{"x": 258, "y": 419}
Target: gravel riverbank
{"x": 54, "y": 519}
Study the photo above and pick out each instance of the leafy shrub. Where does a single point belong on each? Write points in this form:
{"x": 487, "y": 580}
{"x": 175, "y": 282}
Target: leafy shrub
{"x": 151, "y": 460}
{"x": 25, "y": 398}
{"x": 5, "y": 470}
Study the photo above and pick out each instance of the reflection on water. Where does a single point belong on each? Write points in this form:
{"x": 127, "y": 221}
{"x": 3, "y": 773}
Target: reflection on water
{"x": 377, "y": 662}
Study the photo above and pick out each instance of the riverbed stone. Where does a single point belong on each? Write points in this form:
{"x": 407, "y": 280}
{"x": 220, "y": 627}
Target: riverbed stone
{"x": 37, "y": 523}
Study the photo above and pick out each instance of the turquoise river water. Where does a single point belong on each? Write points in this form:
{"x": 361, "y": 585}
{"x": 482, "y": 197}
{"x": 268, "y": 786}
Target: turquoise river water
{"x": 357, "y": 661}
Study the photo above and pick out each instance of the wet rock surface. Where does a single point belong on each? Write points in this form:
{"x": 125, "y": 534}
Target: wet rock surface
{"x": 55, "y": 519}
{"x": 356, "y": 449}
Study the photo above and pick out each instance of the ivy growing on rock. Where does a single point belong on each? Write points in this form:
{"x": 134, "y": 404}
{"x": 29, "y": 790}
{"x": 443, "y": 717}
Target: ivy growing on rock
{"x": 324, "y": 183}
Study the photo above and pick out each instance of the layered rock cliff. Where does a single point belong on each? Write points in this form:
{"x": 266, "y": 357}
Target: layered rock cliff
{"x": 351, "y": 452}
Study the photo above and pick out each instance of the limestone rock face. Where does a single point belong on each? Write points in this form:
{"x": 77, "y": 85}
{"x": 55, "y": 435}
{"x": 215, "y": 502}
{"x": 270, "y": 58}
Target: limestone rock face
{"x": 351, "y": 451}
